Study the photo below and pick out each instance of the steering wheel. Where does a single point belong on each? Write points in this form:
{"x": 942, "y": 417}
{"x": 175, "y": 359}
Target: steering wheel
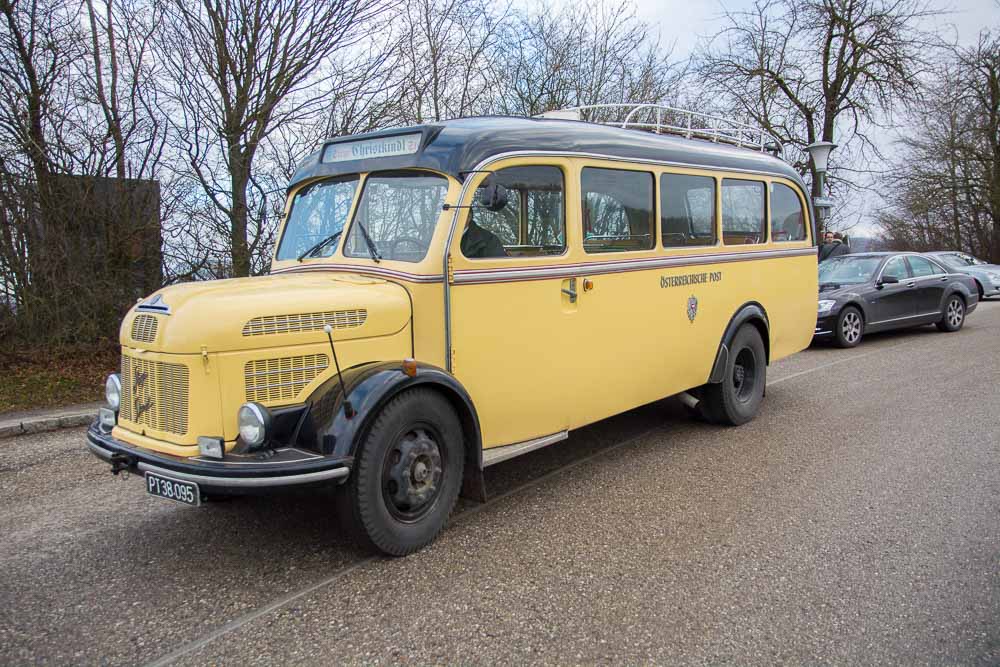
{"x": 394, "y": 249}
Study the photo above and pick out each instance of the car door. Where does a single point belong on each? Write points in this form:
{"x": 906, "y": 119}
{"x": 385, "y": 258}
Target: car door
{"x": 892, "y": 303}
{"x": 930, "y": 282}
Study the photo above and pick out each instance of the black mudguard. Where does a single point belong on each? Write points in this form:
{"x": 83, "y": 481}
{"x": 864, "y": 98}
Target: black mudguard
{"x": 749, "y": 312}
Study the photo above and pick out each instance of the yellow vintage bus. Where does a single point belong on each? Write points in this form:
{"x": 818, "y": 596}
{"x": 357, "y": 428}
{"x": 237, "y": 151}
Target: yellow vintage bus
{"x": 448, "y": 296}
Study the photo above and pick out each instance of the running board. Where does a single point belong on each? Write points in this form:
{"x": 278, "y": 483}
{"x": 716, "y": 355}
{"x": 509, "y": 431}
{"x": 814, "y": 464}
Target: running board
{"x": 498, "y": 454}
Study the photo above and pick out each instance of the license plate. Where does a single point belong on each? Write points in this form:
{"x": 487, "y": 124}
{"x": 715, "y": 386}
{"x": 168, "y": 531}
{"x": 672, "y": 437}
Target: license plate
{"x": 173, "y": 489}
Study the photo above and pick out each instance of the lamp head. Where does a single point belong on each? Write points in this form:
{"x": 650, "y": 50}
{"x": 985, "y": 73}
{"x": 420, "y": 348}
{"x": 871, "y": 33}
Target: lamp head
{"x": 820, "y": 154}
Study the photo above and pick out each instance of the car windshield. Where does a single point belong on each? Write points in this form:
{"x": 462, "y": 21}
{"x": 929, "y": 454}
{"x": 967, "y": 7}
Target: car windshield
{"x": 848, "y": 270}
{"x": 396, "y": 216}
{"x": 318, "y": 212}
{"x": 953, "y": 261}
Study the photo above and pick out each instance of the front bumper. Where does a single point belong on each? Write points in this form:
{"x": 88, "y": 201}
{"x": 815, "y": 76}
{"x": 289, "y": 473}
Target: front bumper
{"x": 825, "y": 326}
{"x": 248, "y": 473}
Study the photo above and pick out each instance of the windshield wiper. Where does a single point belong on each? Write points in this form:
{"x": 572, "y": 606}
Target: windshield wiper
{"x": 324, "y": 242}
{"x": 372, "y": 249}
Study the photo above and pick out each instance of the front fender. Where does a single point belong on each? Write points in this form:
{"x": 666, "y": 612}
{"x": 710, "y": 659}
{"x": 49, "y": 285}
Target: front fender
{"x": 327, "y": 428}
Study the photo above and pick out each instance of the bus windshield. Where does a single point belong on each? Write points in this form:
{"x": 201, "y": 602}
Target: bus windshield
{"x": 396, "y": 216}
{"x": 319, "y": 212}
{"x": 848, "y": 270}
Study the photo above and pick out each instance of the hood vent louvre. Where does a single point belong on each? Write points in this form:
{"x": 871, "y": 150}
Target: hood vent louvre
{"x": 270, "y": 380}
{"x": 295, "y": 323}
{"x": 144, "y": 328}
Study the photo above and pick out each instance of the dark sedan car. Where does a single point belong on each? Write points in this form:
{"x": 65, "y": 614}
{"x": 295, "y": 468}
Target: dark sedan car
{"x": 877, "y": 291}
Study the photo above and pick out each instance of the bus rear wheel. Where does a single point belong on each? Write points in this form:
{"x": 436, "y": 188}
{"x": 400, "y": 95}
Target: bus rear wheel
{"x": 406, "y": 476}
{"x": 737, "y": 398}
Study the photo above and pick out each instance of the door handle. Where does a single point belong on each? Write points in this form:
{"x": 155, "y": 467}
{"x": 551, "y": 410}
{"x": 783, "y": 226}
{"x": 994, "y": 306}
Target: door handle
{"x": 910, "y": 284}
{"x": 944, "y": 279}
{"x": 571, "y": 292}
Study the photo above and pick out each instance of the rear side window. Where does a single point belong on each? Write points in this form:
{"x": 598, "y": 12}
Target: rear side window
{"x": 742, "y": 211}
{"x": 787, "y": 221}
{"x": 687, "y": 210}
{"x": 618, "y": 210}
{"x": 532, "y": 223}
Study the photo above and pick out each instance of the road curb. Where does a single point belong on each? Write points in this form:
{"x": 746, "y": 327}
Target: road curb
{"x": 11, "y": 428}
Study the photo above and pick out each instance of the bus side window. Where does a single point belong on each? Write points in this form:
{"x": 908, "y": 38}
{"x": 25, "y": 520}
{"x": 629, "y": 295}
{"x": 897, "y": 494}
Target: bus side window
{"x": 687, "y": 210}
{"x": 532, "y": 223}
{"x": 742, "y": 212}
{"x": 618, "y": 210}
{"x": 787, "y": 222}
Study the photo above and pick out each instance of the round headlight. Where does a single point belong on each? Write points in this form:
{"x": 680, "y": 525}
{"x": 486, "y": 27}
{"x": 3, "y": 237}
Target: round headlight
{"x": 254, "y": 423}
{"x": 113, "y": 391}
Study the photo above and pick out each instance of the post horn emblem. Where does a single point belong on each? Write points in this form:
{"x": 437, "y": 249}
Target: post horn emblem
{"x": 692, "y": 308}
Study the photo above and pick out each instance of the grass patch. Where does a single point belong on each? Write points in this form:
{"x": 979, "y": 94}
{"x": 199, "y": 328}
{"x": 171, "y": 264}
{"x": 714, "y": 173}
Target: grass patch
{"x": 33, "y": 378}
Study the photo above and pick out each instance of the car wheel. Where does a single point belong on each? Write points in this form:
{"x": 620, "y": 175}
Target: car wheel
{"x": 979, "y": 288}
{"x": 850, "y": 327}
{"x": 407, "y": 475}
{"x": 954, "y": 314}
{"x": 737, "y": 398}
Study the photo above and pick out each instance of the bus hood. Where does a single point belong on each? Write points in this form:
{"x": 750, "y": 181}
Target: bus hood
{"x": 267, "y": 311}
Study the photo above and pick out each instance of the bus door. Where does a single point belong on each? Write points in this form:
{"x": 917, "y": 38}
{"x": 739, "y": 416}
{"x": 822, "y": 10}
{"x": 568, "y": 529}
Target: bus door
{"x": 511, "y": 313}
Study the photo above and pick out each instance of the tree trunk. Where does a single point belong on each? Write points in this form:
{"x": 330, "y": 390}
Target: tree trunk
{"x": 239, "y": 170}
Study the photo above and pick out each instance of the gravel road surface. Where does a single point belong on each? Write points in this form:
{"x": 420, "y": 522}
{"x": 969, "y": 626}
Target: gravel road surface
{"x": 856, "y": 521}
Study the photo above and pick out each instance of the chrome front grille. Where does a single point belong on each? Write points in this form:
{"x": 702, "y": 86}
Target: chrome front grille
{"x": 144, "y": 328}
{"x": 269, "y": 380}
{"x": 281, "y": 324}
{"x": 155, "y": 394}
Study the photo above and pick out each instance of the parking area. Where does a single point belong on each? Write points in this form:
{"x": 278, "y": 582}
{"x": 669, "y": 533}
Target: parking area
{"x": 857, "y": 520}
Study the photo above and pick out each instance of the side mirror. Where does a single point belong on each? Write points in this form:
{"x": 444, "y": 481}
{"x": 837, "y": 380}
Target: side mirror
{"x": 888, "y": 280}
{"x": 492, "y": 197}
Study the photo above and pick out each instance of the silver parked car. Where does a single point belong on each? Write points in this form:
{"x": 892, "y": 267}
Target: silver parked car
{"x": 987, "y": 275}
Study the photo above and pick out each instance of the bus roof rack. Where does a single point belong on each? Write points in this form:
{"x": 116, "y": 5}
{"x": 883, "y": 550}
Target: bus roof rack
{"x": 661, "y": 119}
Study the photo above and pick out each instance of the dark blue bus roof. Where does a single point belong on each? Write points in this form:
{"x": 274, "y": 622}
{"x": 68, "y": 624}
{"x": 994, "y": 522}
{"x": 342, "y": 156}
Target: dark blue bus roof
{"x": 456, "y": 147}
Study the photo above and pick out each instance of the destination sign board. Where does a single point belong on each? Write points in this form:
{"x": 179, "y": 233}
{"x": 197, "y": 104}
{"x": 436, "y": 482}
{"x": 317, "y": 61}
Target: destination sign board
{"x": 402, "y": 144}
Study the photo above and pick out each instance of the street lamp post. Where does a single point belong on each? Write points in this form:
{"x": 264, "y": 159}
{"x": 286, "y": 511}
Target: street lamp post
{"x": 819, "y": 152}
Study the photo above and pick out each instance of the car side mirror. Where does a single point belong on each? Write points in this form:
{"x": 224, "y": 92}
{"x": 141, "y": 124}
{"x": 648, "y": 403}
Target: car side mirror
{"x": 888, "y": 280}
{"x": 492, "y": 197}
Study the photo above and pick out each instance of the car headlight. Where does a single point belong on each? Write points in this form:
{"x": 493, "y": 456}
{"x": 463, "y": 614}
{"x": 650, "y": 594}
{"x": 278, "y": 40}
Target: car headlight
{"x": 254, "y": 423}
{"x": 826, "y": 305}
{"x": 113, "y": 391}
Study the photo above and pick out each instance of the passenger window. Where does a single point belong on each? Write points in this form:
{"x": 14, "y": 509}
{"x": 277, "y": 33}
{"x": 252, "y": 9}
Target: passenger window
{"x": 922, "y": 267}
{"x": 618, "y": 210}
{"x": 787, "y": 221}
{"x": 532, "y": 223}
{"x": 687, "y": 210}
{"x": 742, "y": 212}
{"x": 896, "y": 267}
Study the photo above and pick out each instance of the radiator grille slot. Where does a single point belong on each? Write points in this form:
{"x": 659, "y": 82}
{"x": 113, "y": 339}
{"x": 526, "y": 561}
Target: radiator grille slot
{"x": 155, "y": 394}
{"x": 280, "y": 324}
{"x": 282, "y": 379}
{"x": 144, "y": 328}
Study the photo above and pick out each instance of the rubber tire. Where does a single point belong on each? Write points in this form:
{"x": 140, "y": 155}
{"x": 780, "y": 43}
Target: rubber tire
{"x": 360, "y": 504}
{"x": 720, "y": 404}
{"x": 838, "y": 331}
{"x": 943, "y": 324}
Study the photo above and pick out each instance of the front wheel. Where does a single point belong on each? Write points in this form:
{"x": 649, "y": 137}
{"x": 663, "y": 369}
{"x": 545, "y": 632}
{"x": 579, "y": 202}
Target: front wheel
{"x": 954, "y": 314}
{"x": 850, "y": 327}
{"x": 407, "y": 475}
{"x": 737, "y": 398}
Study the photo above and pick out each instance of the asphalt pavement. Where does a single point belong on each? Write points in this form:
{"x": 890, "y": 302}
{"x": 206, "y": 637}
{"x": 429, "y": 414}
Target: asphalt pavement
{"x": 855, "y": 521}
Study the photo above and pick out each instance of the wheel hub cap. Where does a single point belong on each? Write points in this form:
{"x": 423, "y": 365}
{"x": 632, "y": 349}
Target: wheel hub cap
{"x": 413, "y": 477}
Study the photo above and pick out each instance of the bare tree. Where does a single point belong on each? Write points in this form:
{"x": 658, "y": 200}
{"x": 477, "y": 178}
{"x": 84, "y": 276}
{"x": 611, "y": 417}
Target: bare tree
{"x": 944, "y": 189}
{"x": 239, "y": 69}
{"x": 818, "y": 70}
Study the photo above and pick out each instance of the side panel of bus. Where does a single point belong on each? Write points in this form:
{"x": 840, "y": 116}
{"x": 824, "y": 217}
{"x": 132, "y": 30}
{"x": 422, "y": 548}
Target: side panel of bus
{"x": 644, "y": 324}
